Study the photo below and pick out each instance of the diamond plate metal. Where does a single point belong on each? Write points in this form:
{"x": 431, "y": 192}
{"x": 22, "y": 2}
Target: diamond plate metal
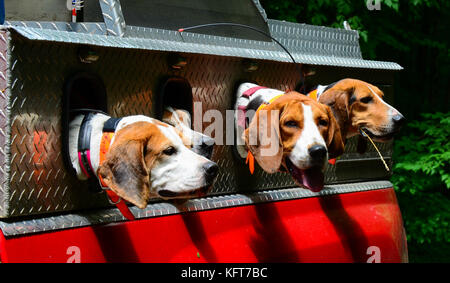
{"x": 104, "y": 216}
{"x": 260, "y": 9}
{"x": 89, "y": 28}
{"x": 317, "y": 40}
{"x": 308, "y": 44}
{"x": 113, "y": 17}
{"x": 4, "y": 122}
{"x": 203, "y": 44}
{"x": 33, "y": 178}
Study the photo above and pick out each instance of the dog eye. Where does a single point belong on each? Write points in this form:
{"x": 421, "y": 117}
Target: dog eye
{"x": 291, "y": 124}
{"x": 323, "y": 122}
{"x": 366, "y": 99}
{"x": 169, "y": 151}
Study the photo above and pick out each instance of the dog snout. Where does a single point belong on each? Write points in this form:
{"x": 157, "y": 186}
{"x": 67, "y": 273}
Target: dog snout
{"x": 398, "y": 120}
{"x": 318, "y": 152}
{"x": 211, "y": 170}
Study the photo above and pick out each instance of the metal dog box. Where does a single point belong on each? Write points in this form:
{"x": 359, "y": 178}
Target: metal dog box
{"x": 39, "y": 55}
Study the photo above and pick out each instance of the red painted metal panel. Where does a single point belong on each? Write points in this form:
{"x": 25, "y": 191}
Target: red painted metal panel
{"x": 354, "y": 227}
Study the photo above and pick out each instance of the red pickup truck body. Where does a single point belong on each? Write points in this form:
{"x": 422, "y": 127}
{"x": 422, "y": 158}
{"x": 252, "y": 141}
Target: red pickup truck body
{"x": 354, "y": 227}
{"x": 128, "y": 58}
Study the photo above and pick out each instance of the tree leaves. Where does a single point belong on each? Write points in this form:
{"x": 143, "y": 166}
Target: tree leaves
{"x": 422, "y": 176}
{"x": 425, "y": 149}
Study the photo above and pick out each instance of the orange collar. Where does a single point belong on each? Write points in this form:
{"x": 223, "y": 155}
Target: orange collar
{"x": 262, "y": 106}
{"x": 250, "y": 160}
{"x": 313, "y": 94}
{"x": 105, "y": 144}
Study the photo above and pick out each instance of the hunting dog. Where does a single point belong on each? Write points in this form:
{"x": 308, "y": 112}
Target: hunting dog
{"x": 358, "y": 105}
{"x": 138, "y": 157}
{"x": 303, "y": 132}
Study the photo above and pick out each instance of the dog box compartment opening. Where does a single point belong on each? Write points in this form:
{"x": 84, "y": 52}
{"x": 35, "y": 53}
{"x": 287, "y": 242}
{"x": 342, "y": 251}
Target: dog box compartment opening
{"x": 82, "y": 92}
{"x": 175, "y": 92}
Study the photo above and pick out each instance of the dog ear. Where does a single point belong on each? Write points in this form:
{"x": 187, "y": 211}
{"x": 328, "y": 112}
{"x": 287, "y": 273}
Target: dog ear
{"x": 262, "y": 138}
{"x": 340, "y": 103}
{"x": 335, "y": 142}
{"x": 125, "y": 172}
{"x": 176, "y": 117}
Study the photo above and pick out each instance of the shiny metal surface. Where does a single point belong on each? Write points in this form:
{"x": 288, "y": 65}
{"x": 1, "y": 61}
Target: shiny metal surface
{"x": 104, "y": 216}
{"x": 186, "y": 42}
{"x": 90, "y": 28}
{"x": 36, "y": 58}
{"x": 113, "y": 17}
{"x": 35, "y": 179}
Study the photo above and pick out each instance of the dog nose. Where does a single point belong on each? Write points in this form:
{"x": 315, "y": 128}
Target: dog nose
{"x": 211, "y": 170}
{"x": 399, "y": 120}
{"x": 318, "y": 152}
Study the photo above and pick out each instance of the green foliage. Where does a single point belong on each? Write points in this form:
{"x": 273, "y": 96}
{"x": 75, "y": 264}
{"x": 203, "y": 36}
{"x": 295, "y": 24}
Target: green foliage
{"x": 426, "y": 217}
{"x": 422, "y": 154}
{"x": 422, "y": 178}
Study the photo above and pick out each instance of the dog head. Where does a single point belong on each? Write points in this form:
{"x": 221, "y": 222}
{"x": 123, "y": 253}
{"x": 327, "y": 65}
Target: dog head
{"x": 359, "y": 106}
{"x": 150, "y": 160}
{"x": 297, "y": 132}
{"x": 181, "y": 120}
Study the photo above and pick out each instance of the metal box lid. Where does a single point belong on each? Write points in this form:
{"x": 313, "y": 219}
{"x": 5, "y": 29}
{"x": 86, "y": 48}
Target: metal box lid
{"x": 308, "y": 44}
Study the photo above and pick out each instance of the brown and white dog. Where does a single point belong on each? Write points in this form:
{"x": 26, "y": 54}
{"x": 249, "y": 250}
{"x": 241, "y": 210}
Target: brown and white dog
{"x": 304, "y": 132}
{"x": 358, "y": 105}
{"x": 146, "y": 158}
